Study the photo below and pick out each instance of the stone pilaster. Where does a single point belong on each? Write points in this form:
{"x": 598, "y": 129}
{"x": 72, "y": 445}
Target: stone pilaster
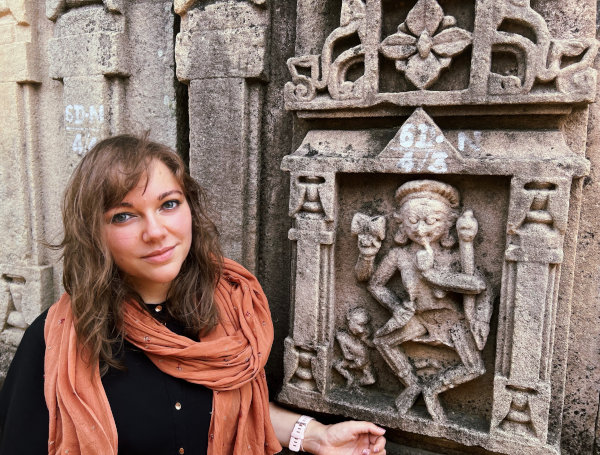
{"x": 522, "y": 382}
{"x": 25, "y": 283}
{"x": 89, "y": 54}
{"x": 221, "y": 53}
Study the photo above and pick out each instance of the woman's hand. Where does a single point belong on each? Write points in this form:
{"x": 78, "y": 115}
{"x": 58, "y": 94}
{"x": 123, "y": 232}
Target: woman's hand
{"x": 346, "y": 438}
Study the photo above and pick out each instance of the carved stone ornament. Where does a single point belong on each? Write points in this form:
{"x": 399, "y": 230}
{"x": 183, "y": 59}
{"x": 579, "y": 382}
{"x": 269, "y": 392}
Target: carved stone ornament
{"x": 426, "y": 279}
{"x": 355, "y": 365}
{"x": 431, "y": 314}
{"x": 515, "y": 60}
{"x": 425, "y": 44}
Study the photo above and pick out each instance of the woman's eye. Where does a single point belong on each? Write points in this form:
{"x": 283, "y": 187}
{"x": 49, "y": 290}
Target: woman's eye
{"x": 119, "y": 218}
{"x": 413, "y": 220}
{"x": 431, "y": 220}
{"x": 170, "y": 205}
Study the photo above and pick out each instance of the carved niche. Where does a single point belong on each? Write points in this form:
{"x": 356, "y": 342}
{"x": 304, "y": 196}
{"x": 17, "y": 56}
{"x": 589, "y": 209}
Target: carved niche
{"x": 426, "y": 272}
{"x": 433, "y": 274}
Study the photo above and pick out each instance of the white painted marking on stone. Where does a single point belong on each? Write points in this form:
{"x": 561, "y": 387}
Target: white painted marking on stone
{"x": 406, "y": 163}
{"x": 160, "y": 53}
{"x": 85, "y": 123}
{"x": 438, "y": 162}
{"x": 407, "y": 137}
{"x": 420, "y": 136}
{"x": 433, "y": 161}
{"x": 469, "y": 141}
{"x": 423, "y": 141}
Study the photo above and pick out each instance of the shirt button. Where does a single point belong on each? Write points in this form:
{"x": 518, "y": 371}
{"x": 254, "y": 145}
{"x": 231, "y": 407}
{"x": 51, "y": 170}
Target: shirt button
{"x": 158, "y": 308}
{"x": 178, "y": 405}
{"x": 181, "y": 451}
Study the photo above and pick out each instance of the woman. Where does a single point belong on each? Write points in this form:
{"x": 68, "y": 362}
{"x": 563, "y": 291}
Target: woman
{"x": 159, "y": 344}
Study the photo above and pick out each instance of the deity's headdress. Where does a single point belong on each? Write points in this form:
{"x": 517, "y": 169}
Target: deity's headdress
{"x": 428, "y": 189}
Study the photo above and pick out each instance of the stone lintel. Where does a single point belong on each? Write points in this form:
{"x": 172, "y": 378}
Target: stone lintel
{"x": 478, "y": 152}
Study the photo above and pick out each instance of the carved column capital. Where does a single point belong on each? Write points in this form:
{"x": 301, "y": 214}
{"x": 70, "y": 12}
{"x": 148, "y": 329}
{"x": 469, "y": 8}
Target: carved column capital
{"x": 54, "y": 8}
{"x": 183, "y": 6}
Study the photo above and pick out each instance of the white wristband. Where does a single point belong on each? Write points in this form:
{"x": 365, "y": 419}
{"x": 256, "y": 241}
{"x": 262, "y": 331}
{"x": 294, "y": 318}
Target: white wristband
{"x": 297, "y": 435}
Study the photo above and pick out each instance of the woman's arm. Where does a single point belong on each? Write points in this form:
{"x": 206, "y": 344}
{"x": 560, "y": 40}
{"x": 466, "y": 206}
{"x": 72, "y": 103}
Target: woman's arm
{"x": 346, "y": 438}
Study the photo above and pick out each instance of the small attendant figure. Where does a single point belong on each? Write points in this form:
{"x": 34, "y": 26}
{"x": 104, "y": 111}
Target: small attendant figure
{"x": 356, "y": 365}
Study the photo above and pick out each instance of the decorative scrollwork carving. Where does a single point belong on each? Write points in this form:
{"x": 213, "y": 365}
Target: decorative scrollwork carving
{"x": 522, "y": 32}
{"x": 332, "y": 73}
{"x": 515, "y": 57}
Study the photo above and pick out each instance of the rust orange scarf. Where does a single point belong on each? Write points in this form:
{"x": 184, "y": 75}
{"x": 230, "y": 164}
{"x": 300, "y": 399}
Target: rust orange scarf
{"x": 230, "y": 360}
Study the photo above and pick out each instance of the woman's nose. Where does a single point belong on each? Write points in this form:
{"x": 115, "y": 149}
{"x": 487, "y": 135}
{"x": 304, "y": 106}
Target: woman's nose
{"x": 154, "y": 229}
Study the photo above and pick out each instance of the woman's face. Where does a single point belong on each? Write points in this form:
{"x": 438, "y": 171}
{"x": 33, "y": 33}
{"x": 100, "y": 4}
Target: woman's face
{"x": 424, "y": 220}
{"x": 149, "y": 233}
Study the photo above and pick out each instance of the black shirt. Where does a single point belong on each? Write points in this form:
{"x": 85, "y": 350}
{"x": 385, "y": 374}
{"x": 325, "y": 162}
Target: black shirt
{"x": 154, "y": 413}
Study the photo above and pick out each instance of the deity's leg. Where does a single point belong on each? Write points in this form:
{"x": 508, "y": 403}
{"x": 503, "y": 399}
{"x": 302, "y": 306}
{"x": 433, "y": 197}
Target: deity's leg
{"x": 389, "y": 348}
{"x": 341, "y": 368}
{"x": 471, "y": 368}
{"x": 368, "y": 377}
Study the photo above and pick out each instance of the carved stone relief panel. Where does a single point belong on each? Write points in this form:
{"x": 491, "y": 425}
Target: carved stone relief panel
{"x": 25, "y": 291}
{"x": 434, "y": 53}
{"x": 426, "y": 264}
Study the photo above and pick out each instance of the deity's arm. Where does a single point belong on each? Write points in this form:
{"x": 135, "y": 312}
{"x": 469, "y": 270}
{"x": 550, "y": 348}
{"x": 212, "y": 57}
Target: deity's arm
{"x": 377, "y": 283}
{"x": 343, "y": 340}
{"x": 454, "y": 281}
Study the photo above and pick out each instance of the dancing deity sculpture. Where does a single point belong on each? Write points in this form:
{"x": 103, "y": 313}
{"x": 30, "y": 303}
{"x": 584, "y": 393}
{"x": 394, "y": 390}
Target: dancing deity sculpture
{"x": 447, "y": 302}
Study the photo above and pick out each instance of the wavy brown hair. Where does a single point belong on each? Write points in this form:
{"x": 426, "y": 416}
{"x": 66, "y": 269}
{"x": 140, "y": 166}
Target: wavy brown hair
{"x": 96, "y": 286}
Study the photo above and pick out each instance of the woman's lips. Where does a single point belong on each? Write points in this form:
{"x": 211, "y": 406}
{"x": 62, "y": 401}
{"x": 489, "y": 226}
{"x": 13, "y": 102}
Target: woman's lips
{"x": 161, "y": 255}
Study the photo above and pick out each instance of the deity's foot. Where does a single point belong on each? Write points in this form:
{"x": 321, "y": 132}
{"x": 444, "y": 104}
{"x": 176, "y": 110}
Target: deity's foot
{"x": 407, "y": 398}
{"x": 434, "y": 407}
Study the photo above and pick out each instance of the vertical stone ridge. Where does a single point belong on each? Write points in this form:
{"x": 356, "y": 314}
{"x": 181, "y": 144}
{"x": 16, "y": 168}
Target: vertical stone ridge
{"x": 181, "y": 103}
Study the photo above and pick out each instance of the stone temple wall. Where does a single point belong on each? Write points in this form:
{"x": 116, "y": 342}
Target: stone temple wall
{"x": 414, "y": 182}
